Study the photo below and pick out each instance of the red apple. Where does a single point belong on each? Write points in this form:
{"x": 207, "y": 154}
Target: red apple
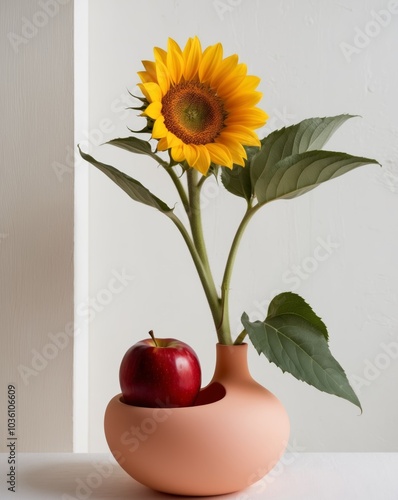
{"x": 160, "y": 373}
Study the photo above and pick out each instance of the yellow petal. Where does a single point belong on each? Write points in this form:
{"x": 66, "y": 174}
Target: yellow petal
{"x": 210, "y": 61}
{"x": 220, "y": 154}
{"x": 162, "y": 144}
{"x": 247, "y": 117}
{"x": 150, "y": 68}
{"x": 235, "y": 148}
{"x": 160, "y": 55}
{"x": 242, "y": 134}
{"x": 154, "y": 110}
{"x": 174, "y": 61}
{"x": 177, "y": 153}
{"x": 162, "y": 72}
{"x": 159, "y": 130}
{"x": 142, "y": 88}
{"x": 152, "y": 91}
{"x": 226, "y": 68}
{"x": 203, "y": 161}
{"x": 249, "y": 83}
{"x": 236, "y": 158}
{"x": 190, "y": 153}
{"x": 242, "y": 99}
{"x": 144, "y": 77}
{"x": 230, "y": 85}
{"x": 173, "y": 140}
{"x": 192, "y": 56}
{"x": 162, "y": 76}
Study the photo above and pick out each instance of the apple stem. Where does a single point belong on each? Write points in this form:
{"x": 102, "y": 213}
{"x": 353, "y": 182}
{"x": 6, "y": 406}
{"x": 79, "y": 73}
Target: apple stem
{"x": 153, "y": 338}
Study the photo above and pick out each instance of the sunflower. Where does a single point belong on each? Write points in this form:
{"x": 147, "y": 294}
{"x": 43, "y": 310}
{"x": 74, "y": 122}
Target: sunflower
{"x": 202, "y": 105}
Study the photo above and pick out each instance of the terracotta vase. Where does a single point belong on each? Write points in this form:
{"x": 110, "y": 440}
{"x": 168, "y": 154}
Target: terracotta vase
{"x": 233, "y": 436}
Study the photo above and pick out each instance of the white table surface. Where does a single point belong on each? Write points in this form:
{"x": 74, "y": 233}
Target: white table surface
{"x": 299, "y": 476}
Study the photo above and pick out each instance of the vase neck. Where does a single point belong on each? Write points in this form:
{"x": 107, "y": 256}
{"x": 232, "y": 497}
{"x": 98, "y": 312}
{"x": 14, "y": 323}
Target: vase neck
{"x": 231, "y": 362}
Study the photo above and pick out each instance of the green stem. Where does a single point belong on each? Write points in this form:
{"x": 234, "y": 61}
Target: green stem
{"x": 179, "y": 186}
{"x": 195, "y": 216}
{"x": 202, "y": 180}
{"x": 160, "y": 160}
{"x": 241, "y": 337}
{"x": 226, "y": 281}
{"x": 195, "y": 220}
{"x": 206, "y": 279}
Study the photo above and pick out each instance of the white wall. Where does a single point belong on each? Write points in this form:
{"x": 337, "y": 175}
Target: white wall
{"x": 296, "y": 48}
{"x": 36, "y": 222}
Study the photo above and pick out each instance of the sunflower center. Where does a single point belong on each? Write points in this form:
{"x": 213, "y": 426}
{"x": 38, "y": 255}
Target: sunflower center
{"x": 193, "y": 112}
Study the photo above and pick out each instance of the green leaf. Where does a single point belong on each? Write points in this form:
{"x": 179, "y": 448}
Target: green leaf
{"x": 299, "y": 173}
{"x": 135, "y": 145}
{"x": 133, "y": 188}
{"x": 308, "y": 135}
{"x": 238, "y": 179}
{"x": 291, "y": 303}
{"x": 293, "y": 338}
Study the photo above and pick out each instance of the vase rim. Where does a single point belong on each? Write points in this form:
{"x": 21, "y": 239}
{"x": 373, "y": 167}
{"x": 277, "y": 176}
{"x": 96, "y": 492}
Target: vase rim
{"x": 232, "y": 345}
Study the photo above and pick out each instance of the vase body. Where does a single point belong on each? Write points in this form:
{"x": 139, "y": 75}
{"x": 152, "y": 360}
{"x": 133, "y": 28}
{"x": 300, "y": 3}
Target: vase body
{"x": 231, "y": 438}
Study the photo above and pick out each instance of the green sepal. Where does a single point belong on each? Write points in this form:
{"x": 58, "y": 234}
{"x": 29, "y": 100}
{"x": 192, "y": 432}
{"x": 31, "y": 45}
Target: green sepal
{"x": 134, "y": 145}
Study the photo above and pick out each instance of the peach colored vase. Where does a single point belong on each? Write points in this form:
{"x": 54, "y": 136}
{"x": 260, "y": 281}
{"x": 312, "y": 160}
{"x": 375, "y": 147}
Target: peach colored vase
{"x": 231, "y": 438}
